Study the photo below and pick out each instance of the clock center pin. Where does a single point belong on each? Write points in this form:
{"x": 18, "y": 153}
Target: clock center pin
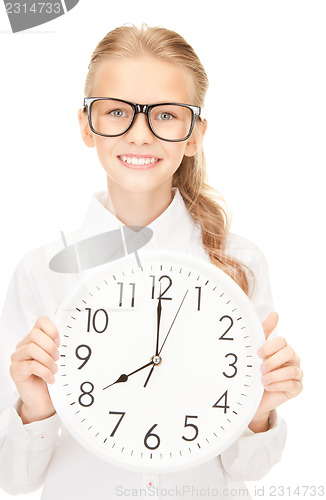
{"x": 157, "y": 360}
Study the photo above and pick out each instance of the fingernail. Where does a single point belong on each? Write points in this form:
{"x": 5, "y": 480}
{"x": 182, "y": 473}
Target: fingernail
{"x": 56, "y": 356}
{"x": 54, "y": 368}
{"x": 57, "y": 341}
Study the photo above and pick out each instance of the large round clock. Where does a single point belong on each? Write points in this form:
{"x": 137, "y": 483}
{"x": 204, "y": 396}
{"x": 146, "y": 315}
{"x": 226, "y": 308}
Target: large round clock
{"x": 158, "y": 369}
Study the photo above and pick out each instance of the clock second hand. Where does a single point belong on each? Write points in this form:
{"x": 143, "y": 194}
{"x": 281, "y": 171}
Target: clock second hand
{"x": 159, "y": 352}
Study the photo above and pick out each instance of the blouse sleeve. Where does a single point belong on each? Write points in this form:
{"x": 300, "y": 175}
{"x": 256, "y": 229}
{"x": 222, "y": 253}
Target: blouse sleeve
{"x": 25, "y": 450}
{"x": 253, "y": 455}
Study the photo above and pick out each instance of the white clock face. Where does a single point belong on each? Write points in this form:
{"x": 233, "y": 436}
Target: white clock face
{"x": 158, "y": 368}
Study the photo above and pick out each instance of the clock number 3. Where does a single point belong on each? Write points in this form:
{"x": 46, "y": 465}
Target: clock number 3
{"x": 233, "y": 366}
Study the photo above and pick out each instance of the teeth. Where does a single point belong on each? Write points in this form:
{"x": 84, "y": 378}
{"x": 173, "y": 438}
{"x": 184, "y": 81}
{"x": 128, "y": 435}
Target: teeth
{"x": 138, "y": 161}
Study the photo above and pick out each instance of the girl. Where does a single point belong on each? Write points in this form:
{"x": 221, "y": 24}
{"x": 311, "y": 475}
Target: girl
{"x": 155, "y": 177}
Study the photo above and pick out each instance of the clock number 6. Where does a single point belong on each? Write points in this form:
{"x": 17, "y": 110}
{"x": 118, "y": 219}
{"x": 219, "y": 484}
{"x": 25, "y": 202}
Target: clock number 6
{"x": 190, "y": 425}
{"x": 155, "y": 436}
{"x": 83, "y": 358}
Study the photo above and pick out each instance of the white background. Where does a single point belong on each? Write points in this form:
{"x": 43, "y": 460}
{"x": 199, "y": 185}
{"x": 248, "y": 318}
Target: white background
{"x": 265, "y": 147}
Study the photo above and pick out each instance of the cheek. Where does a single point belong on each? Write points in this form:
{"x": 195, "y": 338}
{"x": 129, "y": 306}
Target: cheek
{"x": 176, "y": 153}
{"x": 105, "y": 147}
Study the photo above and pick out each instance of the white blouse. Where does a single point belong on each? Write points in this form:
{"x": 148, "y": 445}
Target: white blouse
{"x": 44, "y": 453}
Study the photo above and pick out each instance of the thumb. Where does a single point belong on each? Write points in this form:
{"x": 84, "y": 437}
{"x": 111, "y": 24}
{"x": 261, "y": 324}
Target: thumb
{"x": 269, "y": 324}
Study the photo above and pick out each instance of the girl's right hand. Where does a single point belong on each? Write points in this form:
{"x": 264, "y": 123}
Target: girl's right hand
{"x": 32, "y": 367}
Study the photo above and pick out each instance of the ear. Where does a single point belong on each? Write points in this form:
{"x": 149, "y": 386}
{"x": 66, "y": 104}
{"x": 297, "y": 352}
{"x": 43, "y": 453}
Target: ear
{"x": 85, "y": 131}
{"x": 196, "y": 139}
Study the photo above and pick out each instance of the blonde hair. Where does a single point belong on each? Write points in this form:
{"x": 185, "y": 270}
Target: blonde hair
{"x": 202, "y": 201}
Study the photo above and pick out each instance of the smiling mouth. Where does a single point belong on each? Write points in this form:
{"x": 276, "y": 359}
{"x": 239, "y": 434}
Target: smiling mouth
{"x": 139, "y": 161}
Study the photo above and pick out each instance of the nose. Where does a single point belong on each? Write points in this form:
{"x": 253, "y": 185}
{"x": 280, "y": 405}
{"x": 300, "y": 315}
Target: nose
{"x": 140, "y": 133}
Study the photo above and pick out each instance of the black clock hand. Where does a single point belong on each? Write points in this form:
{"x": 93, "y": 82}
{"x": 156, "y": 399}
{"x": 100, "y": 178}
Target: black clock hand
{"x": 172, "y": 323}
{"x": 124, "y": 377}
{"x": 159, "y": 312}
{"x": 158, "y": 353}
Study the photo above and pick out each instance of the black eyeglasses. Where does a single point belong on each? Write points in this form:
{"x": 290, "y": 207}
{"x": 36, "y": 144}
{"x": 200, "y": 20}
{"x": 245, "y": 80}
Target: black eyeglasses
{"x": 173, "y": 122}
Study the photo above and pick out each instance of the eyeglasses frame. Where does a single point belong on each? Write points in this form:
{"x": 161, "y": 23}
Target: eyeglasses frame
{"x": 141, "y": 108}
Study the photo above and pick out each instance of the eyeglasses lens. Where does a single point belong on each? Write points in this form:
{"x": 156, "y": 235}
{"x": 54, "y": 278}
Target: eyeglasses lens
{"x": 171, "y": 122}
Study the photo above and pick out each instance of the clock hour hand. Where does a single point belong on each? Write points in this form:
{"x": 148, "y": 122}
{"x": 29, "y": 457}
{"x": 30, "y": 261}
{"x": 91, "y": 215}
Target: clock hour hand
{"x": 123, "y": 377}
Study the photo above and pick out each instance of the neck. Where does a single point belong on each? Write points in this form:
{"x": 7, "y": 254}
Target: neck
{"x": 137, "y": 208}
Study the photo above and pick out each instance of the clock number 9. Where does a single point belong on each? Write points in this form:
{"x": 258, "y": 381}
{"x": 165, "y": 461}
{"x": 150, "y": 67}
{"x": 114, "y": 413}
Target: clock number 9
{"x": 85, "y": 394}
{"x": 84, "y": 358}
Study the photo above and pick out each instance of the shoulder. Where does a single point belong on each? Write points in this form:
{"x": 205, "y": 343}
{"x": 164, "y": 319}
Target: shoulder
{"x": 244, "y": 250}
{"x": 45, "y": 252}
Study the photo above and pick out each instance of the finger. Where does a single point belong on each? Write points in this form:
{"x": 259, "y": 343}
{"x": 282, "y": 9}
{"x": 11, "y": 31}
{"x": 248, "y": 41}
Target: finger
{"x": 291, "y": 388}
{"x": 41, "y": 339}
{"x": 44, "y": 324}
{"x": 34, "y": 351}
{"x": 271, "y": 347}
{"x": 285, "y": 355}
{"x": 282, "y": 374}
{"x": 23, "y": 371}
{"x": 269, "y": 324}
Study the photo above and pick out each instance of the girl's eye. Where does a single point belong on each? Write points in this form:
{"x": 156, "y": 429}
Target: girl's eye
{"x": 118, "y": 113}
{"x": 164, "y": 115}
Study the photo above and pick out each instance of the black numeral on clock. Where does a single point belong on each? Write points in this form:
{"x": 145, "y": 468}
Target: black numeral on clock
{"x": 232, "y": 365}
{"x": 227, "y": 318}
{"x": 122, "y": 413}
{"x": 162, "y": 291}
{"x": 86, "y": 398}
{"x": 190, "y": 425}
{"x": 95, "y": 322}
{"x": 80, "y": 356}
{"x": 199, "y": 297}
{"x": 133, "y": 286}
{"x": 151, "y": 436}
{"x": 225, "y": 405}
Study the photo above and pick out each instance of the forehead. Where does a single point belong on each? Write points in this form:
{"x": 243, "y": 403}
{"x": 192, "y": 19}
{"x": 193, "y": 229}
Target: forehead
{"x": 144, "y": 80}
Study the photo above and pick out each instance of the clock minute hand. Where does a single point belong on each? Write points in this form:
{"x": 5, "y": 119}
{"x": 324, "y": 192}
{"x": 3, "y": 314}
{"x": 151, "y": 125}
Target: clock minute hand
{"x": 159, "y": 352}
{"x": 123, "y": 377}
{"x": 159, "y": 313}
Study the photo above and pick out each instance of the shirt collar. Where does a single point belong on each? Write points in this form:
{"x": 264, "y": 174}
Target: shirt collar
{"x": 171, "y": 230}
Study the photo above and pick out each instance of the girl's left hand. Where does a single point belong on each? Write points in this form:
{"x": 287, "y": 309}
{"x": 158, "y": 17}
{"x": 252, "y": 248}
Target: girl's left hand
{"x": 281, "y": 374}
